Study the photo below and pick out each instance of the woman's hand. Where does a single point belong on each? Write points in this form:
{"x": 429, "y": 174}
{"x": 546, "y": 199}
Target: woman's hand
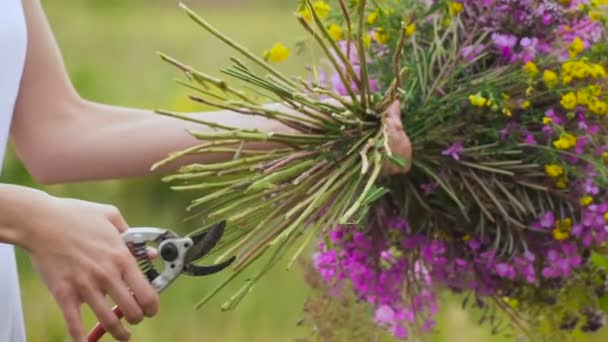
{"x": 399, "y": 142}
{"x": 77, "y": 248}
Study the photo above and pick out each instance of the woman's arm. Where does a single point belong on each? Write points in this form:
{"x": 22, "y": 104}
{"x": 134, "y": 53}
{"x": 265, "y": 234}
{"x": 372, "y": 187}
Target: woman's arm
{"x": 61, "y": 137}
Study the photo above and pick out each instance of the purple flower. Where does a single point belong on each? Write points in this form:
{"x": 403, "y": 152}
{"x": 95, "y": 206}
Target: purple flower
{"x": 470, "y": 52}
{"x": 505, "y": 271}
{"x": 429, "y": 188}
{"x": 454, "y": 151}
{"x": 590, "y": 187}
{"x": 529, "y": 139}
{"x": 385, "y": 315}
{"x": 547, "y": 220}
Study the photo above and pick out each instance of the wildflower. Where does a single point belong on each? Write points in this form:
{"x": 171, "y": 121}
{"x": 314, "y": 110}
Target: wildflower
{"x": 565, "y": 142}
{"x": 372, "y": 17}
{"x": 547, "y": 120}
{"x": 305, "y": 13}
{"x": 512, "y": 302}
{"x": 606, "y": 217}
{"x": 562, "y": 229}
{"x": 530, "y": 139}
{"x": 410, "y": 30}
{"x": 367, "y": 40}
{"x": 505, "y": 271}
{"x": 525, "y": 105}
{"x": 550, "y": 78}
{"x": 605, "y": 155}
{"x": 597, "y": 71}
{"x": 595, "y": 90}
{"x": 554, "y": 170}
{"x": 576, "y": 47}
{"x": 455, "y": 8}
{"x": 507, "y": 112}
{"x": 586, "y": 200}
{"x": 531, "y": 69}
{"x": 568, "y": 101}
{"x": 335, "y": 31}
{"x": 381, "y": 36}
{"x": 598, "y": 107}
{"x": 590, "y": 187}
{"x": 582, "y": 97}
{"x": 595, "y": 15}
{"x": 277, "y": 53}
{"x": 478, "y": 100}
{"x": 321, "y": 8}
{"x": 470, "y": 52}
{"x": 561, "y": 183}
{"x": 454, "y": 151}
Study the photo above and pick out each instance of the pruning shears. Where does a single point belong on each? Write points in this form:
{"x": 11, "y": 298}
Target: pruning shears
{"x": 177, "y": 255}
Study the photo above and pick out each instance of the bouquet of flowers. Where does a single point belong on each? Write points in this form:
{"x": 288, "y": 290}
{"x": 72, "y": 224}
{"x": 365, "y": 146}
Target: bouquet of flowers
{"x": 505, "y": 202}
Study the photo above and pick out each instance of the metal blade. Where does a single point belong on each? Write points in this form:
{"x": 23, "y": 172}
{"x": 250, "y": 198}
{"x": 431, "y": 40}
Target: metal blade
{"x": 195, "y": 270}
{"x": 204, "y": 242}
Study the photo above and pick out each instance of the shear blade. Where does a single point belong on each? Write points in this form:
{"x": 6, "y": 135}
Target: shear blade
{"x": 196, "y": 270}
{"x": 204, "y": 242}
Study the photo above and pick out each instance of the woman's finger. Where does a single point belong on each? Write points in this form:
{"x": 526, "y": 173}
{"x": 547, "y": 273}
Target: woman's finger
{"x": 108, "y": 319}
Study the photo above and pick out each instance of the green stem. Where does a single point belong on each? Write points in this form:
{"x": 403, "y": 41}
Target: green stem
{"x": 230, "y": 42}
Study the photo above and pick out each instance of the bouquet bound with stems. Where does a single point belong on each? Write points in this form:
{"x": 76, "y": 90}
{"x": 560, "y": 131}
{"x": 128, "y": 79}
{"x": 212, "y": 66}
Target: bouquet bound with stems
{"x": 505, "y": 203}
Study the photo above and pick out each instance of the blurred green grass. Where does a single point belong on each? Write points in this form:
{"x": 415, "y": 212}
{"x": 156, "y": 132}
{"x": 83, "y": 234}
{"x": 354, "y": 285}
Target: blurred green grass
{"x": 109, "y": 49}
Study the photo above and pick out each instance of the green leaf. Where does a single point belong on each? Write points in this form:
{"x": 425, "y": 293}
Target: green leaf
{"x": 375, "y": 194}
{"x": 397, "y": 160}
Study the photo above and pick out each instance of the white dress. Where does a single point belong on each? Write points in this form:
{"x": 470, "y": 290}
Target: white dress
{"x": 13, "y": 46}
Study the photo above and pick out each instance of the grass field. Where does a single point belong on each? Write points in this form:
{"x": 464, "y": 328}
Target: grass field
{"x": 109, "y": 49}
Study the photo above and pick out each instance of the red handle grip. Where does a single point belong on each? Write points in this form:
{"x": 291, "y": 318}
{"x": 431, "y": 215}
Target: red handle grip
{"x": 98, "y": 331}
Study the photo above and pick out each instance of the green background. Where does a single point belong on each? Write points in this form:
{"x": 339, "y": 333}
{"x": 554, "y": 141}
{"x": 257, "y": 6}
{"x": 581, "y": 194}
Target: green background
{"x": 109, "y": 48}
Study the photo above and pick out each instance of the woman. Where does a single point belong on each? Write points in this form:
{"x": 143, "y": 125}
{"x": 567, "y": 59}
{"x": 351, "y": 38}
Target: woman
{"x": 75, "y": 245}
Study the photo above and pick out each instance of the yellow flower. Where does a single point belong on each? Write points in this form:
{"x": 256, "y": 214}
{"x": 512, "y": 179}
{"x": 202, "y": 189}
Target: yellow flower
{"x": 597, "y": 71}
{"x": 525, "y": 105}
{"x": 569, "y": 101}
{"x": 562, "y": 229}
{"x": 321, "y": 8}
{"x": 586, "y": 200}
{"x": 372, "y": 17}
{"x": 554, "y": 170}
{"x": 478, "y": 100}
{"x": 598, "y": 107}
{"x": 596, "y": 15}
{"x": 277, "y": 53}
{"x": 559, "y": 235}
{"x": 381, "y": 36}
{"x": 561, "y": 183}
{"x": 507, "y": 112}
{"x": 606, "y": 217}
{"x": 455, "y": 8}
{"x": 335, "y": 31}
{"x": 512, "y": 302}
{"x": 566, "y": 141}
{"x": 367, "y": 40}
{"x": 595, "y": 90}
{"x": 550, "y": 77}
{"x": 410, "y": 29}
{"x": 547, "y": 120}
{"x": 576, "y": 47}
{"x": 531, "y": 69}
{"x": 567, "y": 79}
{"x": 305, "y": 13}
{"x": 582, "y": 97}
